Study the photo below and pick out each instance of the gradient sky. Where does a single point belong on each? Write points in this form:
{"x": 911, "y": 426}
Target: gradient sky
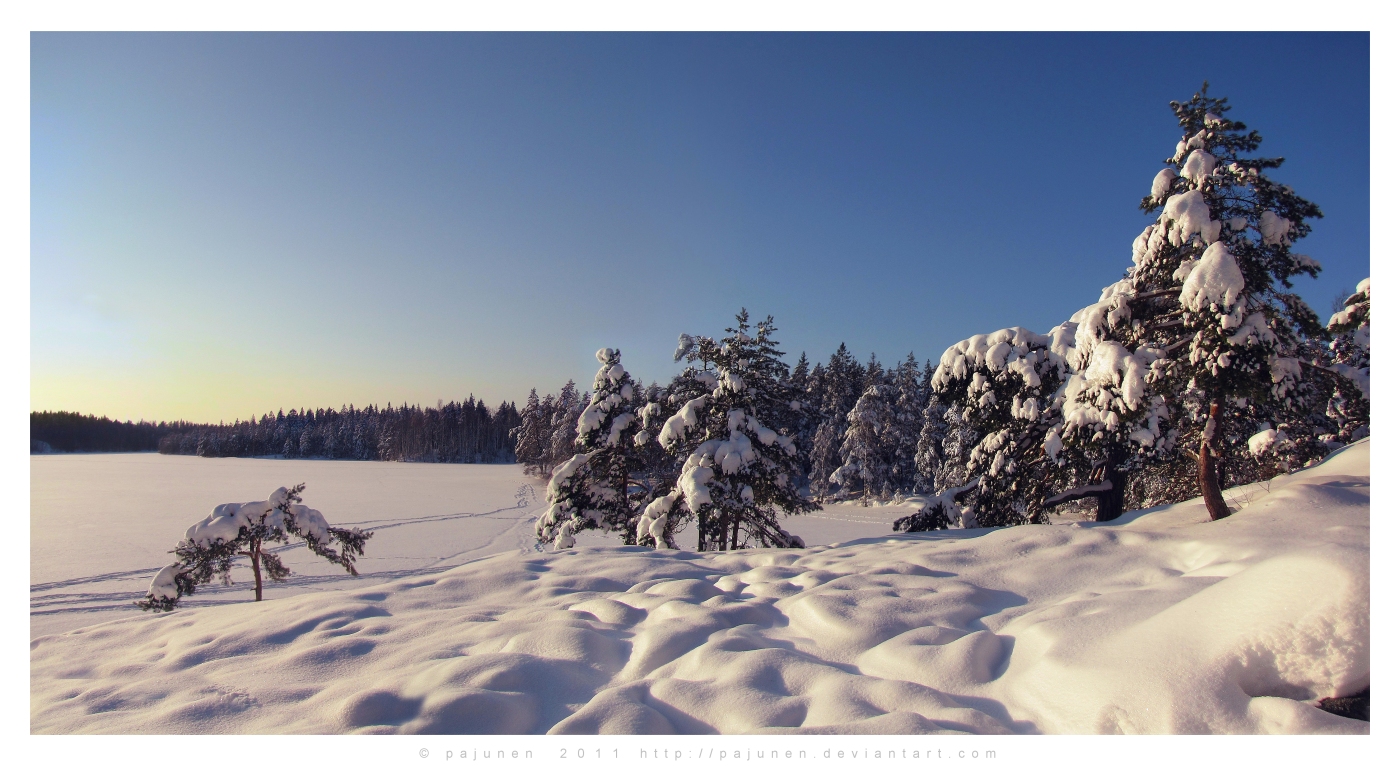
{"x": 229, "y": 224}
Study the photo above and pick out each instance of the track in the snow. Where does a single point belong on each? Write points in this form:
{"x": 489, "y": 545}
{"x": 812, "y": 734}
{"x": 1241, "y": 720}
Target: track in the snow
{"x": 51, "y": 598}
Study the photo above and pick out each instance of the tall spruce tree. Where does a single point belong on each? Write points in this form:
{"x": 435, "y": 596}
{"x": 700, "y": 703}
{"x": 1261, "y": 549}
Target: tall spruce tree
{"x": 531, "y": 437}
{"x": 806, "y": 411}
{"x": 568, "y": 405}
{"x": 1349, "y": 356}
{"x": 929, "y": 458}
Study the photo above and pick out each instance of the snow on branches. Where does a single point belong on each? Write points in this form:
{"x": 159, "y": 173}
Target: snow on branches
{"x": 231, "y": 530}
{"x": 1203, "y": 323}
{"x": 1351, "y": 342}
{"x": 999, "y": 390}
{"x": 1201, "y": 343}
{"x": 593, "y": 488}
{"x": 740, "y": 465}
{"x": 868, "y": 445}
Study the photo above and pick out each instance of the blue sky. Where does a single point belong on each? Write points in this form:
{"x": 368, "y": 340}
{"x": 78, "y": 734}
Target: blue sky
{"x": 223, "y": 225}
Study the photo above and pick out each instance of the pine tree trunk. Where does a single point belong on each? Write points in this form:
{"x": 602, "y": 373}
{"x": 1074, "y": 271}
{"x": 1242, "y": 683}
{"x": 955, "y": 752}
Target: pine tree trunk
{"x": 1209, "y": 475}
{"x": 1111, "y": 502}
{"x": 255, "y": 553}
{"x": 1037, "y": 506}
{"x": 629, "y": 533}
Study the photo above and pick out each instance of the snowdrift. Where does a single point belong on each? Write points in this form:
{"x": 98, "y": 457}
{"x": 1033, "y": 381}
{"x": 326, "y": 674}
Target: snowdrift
{"x": 1154, "y": 623}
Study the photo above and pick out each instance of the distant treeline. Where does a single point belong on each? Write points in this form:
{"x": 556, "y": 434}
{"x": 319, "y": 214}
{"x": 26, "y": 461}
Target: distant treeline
{"x": 456, "y": 432}
{"x": 72, "y": 432}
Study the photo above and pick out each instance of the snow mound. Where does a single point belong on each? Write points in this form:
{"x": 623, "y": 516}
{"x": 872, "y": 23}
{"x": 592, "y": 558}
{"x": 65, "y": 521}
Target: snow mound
{"x": 222, "y": 523}
{"x": 1216, "y": 280}
{"x": 1155, "y": 623}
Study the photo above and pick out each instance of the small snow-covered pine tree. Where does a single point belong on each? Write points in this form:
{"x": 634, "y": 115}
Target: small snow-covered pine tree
{"x": 1350, "y": 358}
{"x": 841, "y": 385}
{"x": 234, "y": 530}
{"x": 929, "y": 457}
{"x": 564, "y": 426}
{"x": 806, "y": 387}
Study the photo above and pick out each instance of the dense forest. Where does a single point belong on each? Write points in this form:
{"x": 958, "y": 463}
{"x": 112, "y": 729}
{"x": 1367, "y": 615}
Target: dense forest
{"x": 72, "y": 432}
{"x": 456, "y": 432}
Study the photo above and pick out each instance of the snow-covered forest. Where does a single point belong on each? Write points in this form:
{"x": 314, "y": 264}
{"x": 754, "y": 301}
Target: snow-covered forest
{"x": 456, "y": 432}
{"x": 1197, "y": 371}
{"x": 75, "y": 432}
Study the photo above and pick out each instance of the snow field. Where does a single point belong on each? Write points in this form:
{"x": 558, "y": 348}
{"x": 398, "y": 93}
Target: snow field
{"x": 102, "y": 525}
{"x": 425, "y": 517}
{"x": 1154, "y": 623}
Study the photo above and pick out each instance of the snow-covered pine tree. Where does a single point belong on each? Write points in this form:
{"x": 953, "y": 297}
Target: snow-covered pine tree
{"x": 806, "y": 409}
{"x": 1202, "y": 341}
{"x": 841, "y": 385}
{"x": 739, "y": 474}
{"x": 929, "y": 457}
{"x": 910, "y": 398}
{"x": 826, "y": 458}
{"x": 592, "y": 489}
{"x": 666, "y": 513}
{"x": 659, "y": 469}
{"x": 1350, "y": 358}
{"x": 1336, "y": 408}
{"x": 548, "y": 409}
{"x": 866, "y": 447}
{"x": 564, "y": 425}
{"x": 233, "y": 530}
{"x": 531, "y": 437}
{"x": 933, "y": 428}
{"x": 1000, "y": 390}
{"x": 1351, "y": 337}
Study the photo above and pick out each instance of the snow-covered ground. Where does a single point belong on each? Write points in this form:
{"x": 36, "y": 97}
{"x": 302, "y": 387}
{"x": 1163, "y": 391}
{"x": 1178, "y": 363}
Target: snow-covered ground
{"x": 1156, "y": 622}
{"x": 102, "y": 525}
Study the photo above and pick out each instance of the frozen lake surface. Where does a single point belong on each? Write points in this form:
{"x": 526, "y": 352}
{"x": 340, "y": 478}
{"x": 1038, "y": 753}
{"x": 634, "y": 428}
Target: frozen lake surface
{"x": 101, "y": 525}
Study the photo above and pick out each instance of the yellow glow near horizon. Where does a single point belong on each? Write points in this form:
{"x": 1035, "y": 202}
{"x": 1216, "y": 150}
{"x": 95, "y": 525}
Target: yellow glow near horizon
{"x": 205, "y": 397}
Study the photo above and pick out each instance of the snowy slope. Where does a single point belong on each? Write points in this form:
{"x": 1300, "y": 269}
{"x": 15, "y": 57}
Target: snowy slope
{"x": 1156, "y": 622}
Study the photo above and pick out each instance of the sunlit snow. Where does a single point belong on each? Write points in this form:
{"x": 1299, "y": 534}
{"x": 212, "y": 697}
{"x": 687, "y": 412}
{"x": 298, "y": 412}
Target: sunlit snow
{"x": 1156, "y": 622}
